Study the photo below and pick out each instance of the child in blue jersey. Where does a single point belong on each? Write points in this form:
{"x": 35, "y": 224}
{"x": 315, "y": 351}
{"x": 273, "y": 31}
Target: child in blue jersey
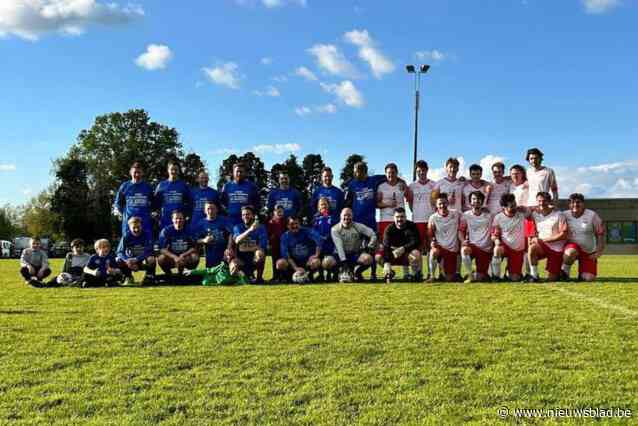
{"x": 213, "y": 233}
{"x": 135, "y": 198}
{"x": 238, "y": 194}
{"x": 333, "y": 194}
{"x": 201, "y": 195}
{"x": 101, "y": 270}
{"x": 285, "y": 196}
{"x": 172, "y": 194}
{"x": 300, "y": 250}
{"x": 135, "y": 253}
{"x": 178, "y": 248}
{"x": 251, "y": 242}
{"x": 322, "y": 224}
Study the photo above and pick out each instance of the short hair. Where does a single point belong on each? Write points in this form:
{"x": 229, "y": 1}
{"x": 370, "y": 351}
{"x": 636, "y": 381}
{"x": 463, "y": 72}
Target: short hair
{"x": 77, "y": 242}
{"x": 284, "y": 173}
{"x": 500, "y": 165}
{"x": 249, "y": 208}
{"x": 212, "y": 203}
{"x": 202, "y": 170}
{"x": 136, "y": 165}
{"x": 391, "y": 166}
{"x": 102, "y": 242}
{"x": 361, "y": 165}
{"x": 176, "y": 212}
{"x": 293, "y": 217}
{"x": 576, "y": 196}
{"x": 173, "y": 163}
{"x": 421, "y": 164}
{"x": 534, "y": 151}
{"x": 478, "y": 194}
{"x": 400, "y": 210}
{"x": 507, "y": 199}
{"x": 323, "y": 199}
{"x": 326, "y": 169}
{"x": 453, "y": 161}
{"x": 134, "y": 219}
{"x": 278, "y": 206}
{"x": 239, "y": 165}
{"x": 476, "y": 167}
{"x": 35, "y": 238}
{"x": 519, "y": 168}
{"x": 545, "y": 195}
{"x": 442, "y": 196}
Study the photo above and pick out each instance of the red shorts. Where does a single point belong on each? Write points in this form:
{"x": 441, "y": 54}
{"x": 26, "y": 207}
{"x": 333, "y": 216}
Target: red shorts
{"x": 529, "y": 227}
{"x": 449, "y": 260}
{"x": 586, "y": 264}
{"x": 423, "y": 234}
{"x": 554, "y": 259}
{"x": 514, "y": 260}
{"x": 483, "y": 259}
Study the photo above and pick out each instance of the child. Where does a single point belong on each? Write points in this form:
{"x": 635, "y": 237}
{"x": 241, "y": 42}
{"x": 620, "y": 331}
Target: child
{"x": 323, "y": 221}
{"x": 74, "y": 263}
{"x": 135, "y": 253}
{"x": 102, "y": 269}
{"x": 222, "y": 274}
{"x": 34, "y": 264}
{"x": 276, "y": 228}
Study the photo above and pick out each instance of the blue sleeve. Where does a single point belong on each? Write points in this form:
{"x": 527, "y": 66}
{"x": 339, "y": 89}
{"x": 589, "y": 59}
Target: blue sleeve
{"x": 340, "y": 200}
{"x": 148, "y": 250}
{"x": 237, "y": 231}
{"x": 316, "y": 237}
{"x": 377, "y": 180}
{"x": 118, "y": 204}
{"x": 314, "y": 200}
{"x": 283, "y": 245}
{"x": 256, "y": 198}
{"x": 91, "y": 263}
{"x": 270, "y": 204}
{"x": 262, "y": 238}
{"x": 121, "y": 254}
{"x": 223, "y": 197}
{"x": 297, "y": 202}
{"x": 111, "y": 261}
{"x": 163, "y": 240}
{"x": 157, "y": 197}
{"x": 189, "y": 202}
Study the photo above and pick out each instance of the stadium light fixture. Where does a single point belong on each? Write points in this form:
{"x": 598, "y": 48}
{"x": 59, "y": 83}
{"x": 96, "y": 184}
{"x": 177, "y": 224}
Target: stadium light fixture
{"x": 417, "y": 71}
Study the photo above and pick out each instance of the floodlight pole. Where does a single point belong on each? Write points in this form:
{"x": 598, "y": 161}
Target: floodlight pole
{"x": 417, "y": 71}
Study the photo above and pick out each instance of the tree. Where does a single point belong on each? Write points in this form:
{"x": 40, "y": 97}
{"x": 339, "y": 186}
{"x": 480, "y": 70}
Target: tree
{"x": 312, "y": 165}
{"x": 294, "y": 171}
{"x": 8, "y": 225}
{"x": 38, "y": 218}
{"x": 347, "y": 172}
{"x": 191, "y": 167}
{"x": 254, "y": 168}
{"x": 71, "y": 198}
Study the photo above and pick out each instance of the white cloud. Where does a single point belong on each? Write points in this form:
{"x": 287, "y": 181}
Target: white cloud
{"x": 277, "y": 148}
{"x": 431, "y": 55}
{"x": 330, "y": 59}
{"x": 318, "y": 109}
{"x": 346, "y": 92}
{"x": 306, "y": 73}
{"x": 619, "y": 179}
{"x": 266, "y": 61}
{"x": 156, "y": 57}
{"x": 224, "y": 151}
{"x": 378, "y": 63}
{"x": 327, "y": 108}
{"x": 8, "y": 168}
{"x": 280, "y": 78}
{"x": 271, "y": 91}
{"x": 596, "y": 7}
{"x": 224, "y": 75}
{"x": 303, "y": 110}
{"x": 272, "y": 3}
{"x": 30, "y": 19}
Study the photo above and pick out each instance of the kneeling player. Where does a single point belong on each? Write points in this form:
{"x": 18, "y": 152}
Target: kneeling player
{"x": 101, "y": 270}
{"x": 585, "y": 239}
{"x": 213, "y": 232}
{"x": 251, "y": 241}
{"x": 348, "y": 238}
{"x": 401, "y": 246}
{"x": 508, "y": 234}
{"x": 135, "y": 253}
{"x": 476, "y": 225}
{"x": 178, "y": 248}
{"x": 443, "y": 228}
{"x": 549, "y": 241}
{"x": 300, "y": 251}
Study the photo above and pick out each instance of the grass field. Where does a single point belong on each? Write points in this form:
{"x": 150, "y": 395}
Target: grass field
{"x": 317, "y": 354}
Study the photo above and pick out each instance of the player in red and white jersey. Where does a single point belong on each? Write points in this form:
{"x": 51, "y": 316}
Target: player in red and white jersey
{"x": 508, "y": 234}
{"x": 539, "y": 178}
{"x": 443, "y": 228}
{"x": 550, "y": 238}
{"x": 518, "y": 185}
{"x": 451, "y": 185}
{"x": 476, "y": 183}
{"x": 585, "y": 239}
{"x": 475, "y": 234}
{"x": 390, "y": 195}
{"x": 498, "y": 187}
{"x": 420, "y": 200}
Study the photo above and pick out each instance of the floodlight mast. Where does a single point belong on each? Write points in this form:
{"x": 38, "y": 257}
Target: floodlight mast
{"x": 417, "y": 71}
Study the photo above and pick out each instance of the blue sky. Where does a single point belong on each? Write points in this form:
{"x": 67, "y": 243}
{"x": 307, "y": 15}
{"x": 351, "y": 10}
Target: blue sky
{"x": 281, "y": 76}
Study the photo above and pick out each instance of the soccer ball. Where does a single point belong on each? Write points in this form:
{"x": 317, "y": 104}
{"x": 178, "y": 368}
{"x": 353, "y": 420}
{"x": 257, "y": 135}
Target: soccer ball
{"x": 64, "y": 278}
{"x": 300, "y": 277}
{"x": 346, "y": 276}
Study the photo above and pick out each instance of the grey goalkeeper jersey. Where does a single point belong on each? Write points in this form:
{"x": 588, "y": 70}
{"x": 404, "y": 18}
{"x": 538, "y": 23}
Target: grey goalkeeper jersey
{"x": 35, "y": 258}
{"x": 349, "y": 240}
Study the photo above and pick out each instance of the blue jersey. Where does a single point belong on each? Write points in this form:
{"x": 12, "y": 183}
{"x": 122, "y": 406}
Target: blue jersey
{"x": 236, "y": 195}
{"x": 334, "y": 196}
{"x": 135, "y": 247}
{"x": 364, "y": 199}
{"x": 170, "y": 196}
{"x": 221, "y": 230}
{"x": 101, "y": 263}
{"x": 289, "y": 199}
{"x": 322, "y": 225}
{"x": 299, "y": 245}
{"x": 257, "y": 239}
{"x": 177, "y": 242}
{"x": 134, "y": 199}
{"x": 200, "y": 197}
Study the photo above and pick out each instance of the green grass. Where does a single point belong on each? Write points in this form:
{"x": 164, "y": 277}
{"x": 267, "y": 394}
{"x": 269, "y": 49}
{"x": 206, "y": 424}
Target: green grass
{"x": 316, "y": 354}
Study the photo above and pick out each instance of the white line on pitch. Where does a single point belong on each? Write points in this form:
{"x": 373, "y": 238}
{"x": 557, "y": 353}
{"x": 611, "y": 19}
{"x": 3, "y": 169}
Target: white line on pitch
{"x": 596, "y": 301}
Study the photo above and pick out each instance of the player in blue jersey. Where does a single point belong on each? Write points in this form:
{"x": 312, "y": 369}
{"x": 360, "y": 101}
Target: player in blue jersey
{"x": 214, "y": 232}
{"x": 322, "y": 223}
{"x": 135, "y": 253}
{"x": 238, "y": 193}
{"x": 327, "y": 190}
{"x": 172, "y": 194}
{"x": 135, "y": 198}
{"x": 285, "y": 196}
{"x": 300, "y": 250}
{"x": 202, "y": 194}
{"x": 251, "y": 242}
{"x": 178, "y": 248}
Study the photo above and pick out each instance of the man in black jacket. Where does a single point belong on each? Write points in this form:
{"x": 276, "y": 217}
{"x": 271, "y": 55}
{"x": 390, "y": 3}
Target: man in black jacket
{"x": 401, "y": 246}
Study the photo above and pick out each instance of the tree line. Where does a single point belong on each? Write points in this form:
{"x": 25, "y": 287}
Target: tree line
{"x": 78, "y": 204}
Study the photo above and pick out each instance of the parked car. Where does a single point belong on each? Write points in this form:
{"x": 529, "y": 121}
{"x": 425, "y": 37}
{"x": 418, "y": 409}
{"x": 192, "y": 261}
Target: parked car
{"x": 5, "y": 249}
{"x": 19, "y": 244}
{"x": 60, "y": 249}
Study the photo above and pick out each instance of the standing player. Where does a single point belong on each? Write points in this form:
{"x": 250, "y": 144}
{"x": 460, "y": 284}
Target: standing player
{"x": 421, "y": 202}
{"x": 285, "y": 196}
{"x": 172, "y": 194}
{"x": 476, "y": 183}
{"x": 549, "y": 240}
{"x": 585, "y": 239}
{"x": 135, "y": 198}
{"x": 349, "y": 238}
{"x": 539, "y": 178}
{"x": 202, "y": 194}
{"x": 327, "y": 190}
{"x": 300, "y": 251}
{"x": 402, "y": 246}
{"x": 443, "y": 231}
{"x": 238, "y": 193}
{"x": 178, "y": 248}
{"x": 519, "y": 186}
{"x": 475, "y": 233}
{"x": 451, "y": 185}
{"x": 508, "y": 234}
{"x": 251, "y": 241}
{"x": 499, "y": 187}
{"x": 322, "y": 224}
{"x": 213, "y": 232}
{"x": 391, "y": 194}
